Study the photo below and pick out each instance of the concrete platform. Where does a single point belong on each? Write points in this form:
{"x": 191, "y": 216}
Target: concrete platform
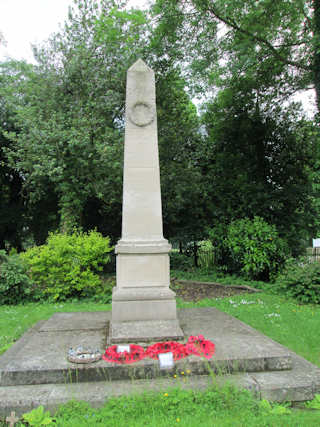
{"x": 35, "y": 369}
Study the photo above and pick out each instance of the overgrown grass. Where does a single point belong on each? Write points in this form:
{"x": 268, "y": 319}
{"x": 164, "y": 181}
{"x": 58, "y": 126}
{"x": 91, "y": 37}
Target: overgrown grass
{"x": 224, "y": 406}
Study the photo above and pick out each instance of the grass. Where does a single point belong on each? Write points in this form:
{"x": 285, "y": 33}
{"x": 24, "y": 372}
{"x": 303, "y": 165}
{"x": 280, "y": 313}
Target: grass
{"x": 225, "y": 406}
{"x": 293, "y": 325}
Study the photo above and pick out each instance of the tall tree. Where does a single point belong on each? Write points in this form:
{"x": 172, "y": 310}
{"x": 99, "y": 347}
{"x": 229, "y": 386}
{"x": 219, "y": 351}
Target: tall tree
{"x": 12, "y": 203}
{"x": 259, "y": 162}
{"x": 180, "y": 145}
{"x": 276, "y": 43}
{"x": 71, "y": 123}
{"x": 20, "y": 217}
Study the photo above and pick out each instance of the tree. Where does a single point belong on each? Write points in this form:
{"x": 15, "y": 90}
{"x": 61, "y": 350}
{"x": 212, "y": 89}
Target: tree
{"x": 12, "y": 204}
{"x": 19, "y": 218}
{"x": 275, "y": 43}
{"x": 72, "y": 123}
{"x": 179, "y": 147}
{"x": 72, "y": 119}
{"x": 259, "y": 162}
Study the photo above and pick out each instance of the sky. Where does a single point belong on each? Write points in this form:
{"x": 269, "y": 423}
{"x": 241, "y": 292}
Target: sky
{"x": 26, "y": 22}
{"x": 23, "y": 22}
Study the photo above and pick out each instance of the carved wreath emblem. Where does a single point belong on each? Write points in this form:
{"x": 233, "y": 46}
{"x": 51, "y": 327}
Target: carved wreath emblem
{"x": 141, "y": 114}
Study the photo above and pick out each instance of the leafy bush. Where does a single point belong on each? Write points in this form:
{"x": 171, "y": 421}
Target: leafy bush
{"x": 15, "y": 285}
{"x": 255, "y": 248}
{"x": 103, "y": 293}
{"x": 301, "y": 279}
{"x": 68, "y": 265}
{"x": 180, "y": 261}
{"x": 38, "y": 417}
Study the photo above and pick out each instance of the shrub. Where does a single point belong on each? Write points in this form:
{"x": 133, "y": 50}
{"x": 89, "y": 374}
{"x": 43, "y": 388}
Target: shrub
{"x": 255, "y": 248}
{"x": 301, "y": 279}
{"x": 103, "y": 293}
{"x": 68, "y": 265}
{"x": 180, "y": 261}
{"x": 15, "y": 285}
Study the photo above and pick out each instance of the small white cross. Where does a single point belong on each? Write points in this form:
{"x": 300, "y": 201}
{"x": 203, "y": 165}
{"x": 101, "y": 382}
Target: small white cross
{"x": 12, "y": 419}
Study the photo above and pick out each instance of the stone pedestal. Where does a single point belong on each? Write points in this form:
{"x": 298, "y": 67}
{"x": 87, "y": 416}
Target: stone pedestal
{"x": 142, "y": 301}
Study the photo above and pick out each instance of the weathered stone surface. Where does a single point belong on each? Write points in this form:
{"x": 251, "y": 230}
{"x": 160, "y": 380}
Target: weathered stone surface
{"x": 76, "y": 321}
{"x": 142, "y": 253}
{"x": 299, "y": 384}
{"x": 142, "y": 212}
{"x": 40, "y": 356}
{"x": 153, "y": 330}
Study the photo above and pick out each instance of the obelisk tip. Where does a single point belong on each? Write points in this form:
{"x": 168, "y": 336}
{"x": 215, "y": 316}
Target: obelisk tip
{"x": 140, "y": 65}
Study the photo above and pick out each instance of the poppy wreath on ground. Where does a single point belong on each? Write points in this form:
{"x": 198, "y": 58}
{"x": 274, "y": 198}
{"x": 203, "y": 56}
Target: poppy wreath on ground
{"x": 124, "y": 357}
{"x": 196, "y": 345}
{"x": 200, "y": 347}
{"x": 178, "y": 350}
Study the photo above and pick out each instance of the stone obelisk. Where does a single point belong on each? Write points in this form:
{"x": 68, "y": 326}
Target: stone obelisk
{"x": 143, "y": 306}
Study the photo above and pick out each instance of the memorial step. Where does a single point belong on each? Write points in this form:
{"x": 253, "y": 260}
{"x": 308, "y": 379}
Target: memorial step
{"x": 40, "y": 356}
{"x": 297, "y": 385}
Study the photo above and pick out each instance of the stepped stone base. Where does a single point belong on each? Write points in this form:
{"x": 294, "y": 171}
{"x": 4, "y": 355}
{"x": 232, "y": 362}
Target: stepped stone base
{"x": 142, "y": 304}
{"x": 145, "y": 331}
{"x": 35, "y": 369}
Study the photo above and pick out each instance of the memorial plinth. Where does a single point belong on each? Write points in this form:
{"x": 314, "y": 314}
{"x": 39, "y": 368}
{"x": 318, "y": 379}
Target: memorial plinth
{"x": 143, "y": 306}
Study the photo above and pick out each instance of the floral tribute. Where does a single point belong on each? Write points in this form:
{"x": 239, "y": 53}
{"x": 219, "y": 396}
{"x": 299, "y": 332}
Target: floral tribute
{"x": 136, "y": 353}
{"x": 200, "y": 347}
{"x": 196, "y": 345}
{"x": 178, "y": 350}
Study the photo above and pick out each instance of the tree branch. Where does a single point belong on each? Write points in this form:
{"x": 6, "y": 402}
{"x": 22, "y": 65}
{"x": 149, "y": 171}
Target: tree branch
{"x": 231, "y": 23}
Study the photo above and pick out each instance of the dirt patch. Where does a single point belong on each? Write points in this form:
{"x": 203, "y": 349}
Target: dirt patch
{"x": 196, "y": 291}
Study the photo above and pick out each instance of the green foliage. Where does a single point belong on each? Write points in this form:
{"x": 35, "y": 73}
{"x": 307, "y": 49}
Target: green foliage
{"x": 274, "y": 44}
{"x": 12, "y": 204}
{"x": 215, "y": 406}
{"x": 15, "y": 285}
{"x": 70, "y": 109}
{"x": 103, "y": 292}
{"x": 206, "y": 254}
{"x": 301, "y": 279}
{"x": 255, "y": 248}
{"x": 167, "y": 407}
{"x": 68, "y": 265}
{"x": 276, "y": 409}
{"x": 315, "y": 403}
{"x": 258, "y": 162}
{"x": 180, "y": 261}
{"x": 38, "y": 417}
{"x": 217, "y": 236}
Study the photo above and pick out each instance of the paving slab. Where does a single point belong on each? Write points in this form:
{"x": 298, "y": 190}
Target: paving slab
{"x": 40, "y": 356}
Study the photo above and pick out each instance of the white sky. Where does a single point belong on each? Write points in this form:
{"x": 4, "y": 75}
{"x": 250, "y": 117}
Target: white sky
{"x": 26, "y": 22}
{"x": 23, "y": 22}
